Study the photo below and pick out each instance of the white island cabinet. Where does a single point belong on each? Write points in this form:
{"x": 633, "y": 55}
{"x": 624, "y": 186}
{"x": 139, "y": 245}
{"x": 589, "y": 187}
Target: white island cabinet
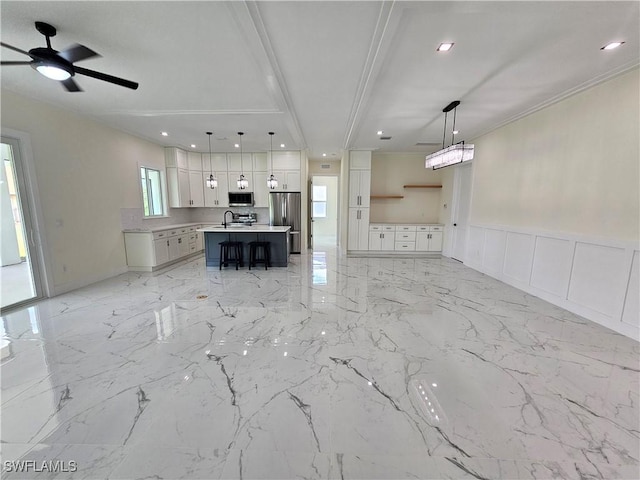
{"x": 148, "y": 250}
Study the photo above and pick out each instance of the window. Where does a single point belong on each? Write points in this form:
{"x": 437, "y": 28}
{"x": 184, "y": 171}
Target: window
{"x": 151, "y": 192}
{"x": 319, "y": 203}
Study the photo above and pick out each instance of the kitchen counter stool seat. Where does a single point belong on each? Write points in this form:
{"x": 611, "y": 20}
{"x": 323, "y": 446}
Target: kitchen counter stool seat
{"x": 259, "y": 253}
{"x": 230, "y": 252}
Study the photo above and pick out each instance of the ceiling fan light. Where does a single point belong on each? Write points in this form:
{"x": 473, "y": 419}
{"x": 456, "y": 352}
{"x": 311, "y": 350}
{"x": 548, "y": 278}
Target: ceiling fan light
{"x": 53, "y": 72}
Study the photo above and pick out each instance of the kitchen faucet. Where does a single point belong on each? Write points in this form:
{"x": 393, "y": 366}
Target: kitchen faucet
{"x": 224, "y": 218}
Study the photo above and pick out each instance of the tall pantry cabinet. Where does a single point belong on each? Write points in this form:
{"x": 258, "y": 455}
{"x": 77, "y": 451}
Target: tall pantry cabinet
{"x": 359, "y": 198}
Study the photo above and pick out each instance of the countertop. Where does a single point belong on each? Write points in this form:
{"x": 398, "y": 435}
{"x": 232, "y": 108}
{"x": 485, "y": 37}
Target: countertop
{"x": 251, "y": 229}
{"x": 161, "y": 228}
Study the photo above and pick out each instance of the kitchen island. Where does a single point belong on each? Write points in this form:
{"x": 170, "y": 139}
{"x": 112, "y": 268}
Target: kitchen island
{"x": 277, "y": 236}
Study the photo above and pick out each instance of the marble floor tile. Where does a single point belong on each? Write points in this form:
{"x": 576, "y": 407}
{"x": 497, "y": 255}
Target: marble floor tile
{"x": 334, "y": 367}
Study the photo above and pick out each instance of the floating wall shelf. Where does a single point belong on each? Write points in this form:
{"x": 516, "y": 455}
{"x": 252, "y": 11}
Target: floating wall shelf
{"x": 422, "y": 186}
{"x": 387, "y": 196}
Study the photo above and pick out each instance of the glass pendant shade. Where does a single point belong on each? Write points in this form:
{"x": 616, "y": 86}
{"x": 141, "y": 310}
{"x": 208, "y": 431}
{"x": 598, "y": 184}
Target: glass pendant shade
{"x": 242, "y": 182}
{"x": 212, "y": 182}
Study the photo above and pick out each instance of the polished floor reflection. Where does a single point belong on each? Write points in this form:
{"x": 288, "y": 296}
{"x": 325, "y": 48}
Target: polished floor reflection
{"x": 331, "y": 368}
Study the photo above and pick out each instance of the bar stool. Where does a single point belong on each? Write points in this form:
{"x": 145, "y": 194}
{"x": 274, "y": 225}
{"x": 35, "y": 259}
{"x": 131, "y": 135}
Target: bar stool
{"x": 261, "y": 248}
{"x": 230, "y": 252}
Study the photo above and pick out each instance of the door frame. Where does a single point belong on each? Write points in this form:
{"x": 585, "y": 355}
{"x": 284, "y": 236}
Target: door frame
{"x": 310, "y": 207}
{"x": 455, "y": 207}
{"x": 29, "y": 198}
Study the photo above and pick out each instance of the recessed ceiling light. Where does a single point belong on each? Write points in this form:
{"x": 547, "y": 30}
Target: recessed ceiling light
{"x": 282, "y": 145}
{"x": 237, "y": 145}
{"x": 324, "y": 154}
{"x": 611, "y": 46}
{"x": 444, "y": 47}
{"x": 193, "y": 146}
{"x": 455, "y": 132}
{"x": 164, "y": 134}
{"x": 380, "y": 132}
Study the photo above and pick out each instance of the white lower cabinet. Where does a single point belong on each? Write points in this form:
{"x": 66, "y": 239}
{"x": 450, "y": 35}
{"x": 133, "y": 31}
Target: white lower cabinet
{"x": 358, "y": 229}
{"x": 147, "y": 251}
{"x": 394, "y": 238}
{"x": 381, "y": 238}
{"x": 429, "y": 238}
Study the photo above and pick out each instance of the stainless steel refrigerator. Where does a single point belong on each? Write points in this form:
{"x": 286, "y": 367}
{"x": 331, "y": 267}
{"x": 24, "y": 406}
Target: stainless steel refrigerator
{"x": 285, "y": 208}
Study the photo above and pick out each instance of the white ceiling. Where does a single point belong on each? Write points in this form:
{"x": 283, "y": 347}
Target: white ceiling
{"x": 325, "y": 76}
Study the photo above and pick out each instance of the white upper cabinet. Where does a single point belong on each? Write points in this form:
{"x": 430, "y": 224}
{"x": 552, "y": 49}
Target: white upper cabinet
{"x": 233, "y": 181}
{"x": 196, "y": 188}
{"x": 286, "y": 160}
{"x": 219, "y": 196}
{"x": 260, "y": 189}
{"x": 260, "y": 162}
{"x": 194, "y": 160}
{"x": 360, "y": 160}
{"x": 175, "y": 157}
{"x": 359, "y": 188}
{"x": 235, "y": 164}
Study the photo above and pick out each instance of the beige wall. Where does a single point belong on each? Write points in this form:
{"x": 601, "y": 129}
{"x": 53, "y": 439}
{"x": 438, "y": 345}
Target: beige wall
{"x": 86, "y": 173}
{"x": 572, "y": 167}
{"x": 389, "y": 173}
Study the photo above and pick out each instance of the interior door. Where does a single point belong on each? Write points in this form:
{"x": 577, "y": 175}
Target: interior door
{"x": 460, "y": 217}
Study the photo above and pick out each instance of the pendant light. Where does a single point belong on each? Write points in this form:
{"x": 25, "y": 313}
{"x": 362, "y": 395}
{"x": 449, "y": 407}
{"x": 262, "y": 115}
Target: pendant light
{"x": 212, "y": 182}
{"x": 272, "y": 181}
{"x": 242, "y": 182}
{"x": 456, "y": 152}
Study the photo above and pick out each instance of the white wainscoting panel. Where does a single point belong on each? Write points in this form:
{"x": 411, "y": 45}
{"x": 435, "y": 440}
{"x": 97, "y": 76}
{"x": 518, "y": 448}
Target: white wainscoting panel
{"x": 493, "y": 252}
{"x": 552, "y": 258}
{"x": 597, "y": 279}
{"x": 631, "y": 313}
{"x": 518, "y": 256}
{"x": 475, "y": 245}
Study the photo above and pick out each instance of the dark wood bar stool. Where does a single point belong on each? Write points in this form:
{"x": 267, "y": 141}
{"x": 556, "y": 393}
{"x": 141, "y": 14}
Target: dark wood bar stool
{"x": 230, "y": 252}
{"x": 259, "y": 253}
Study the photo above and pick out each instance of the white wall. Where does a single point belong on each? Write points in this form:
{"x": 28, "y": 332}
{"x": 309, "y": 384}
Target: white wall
{"x": 555, "y": 207}
{"x": 389, "y": 173}
{"x": 86, "y": 174}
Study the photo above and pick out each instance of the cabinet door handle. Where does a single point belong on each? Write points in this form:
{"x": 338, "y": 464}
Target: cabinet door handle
{"x": 167, "y": 243}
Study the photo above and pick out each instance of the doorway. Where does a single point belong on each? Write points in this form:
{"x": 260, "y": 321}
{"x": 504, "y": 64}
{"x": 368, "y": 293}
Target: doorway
{"x": 324, "y": 211}
{"x": 20, "y": 276}
{"x": 460, "y": 214}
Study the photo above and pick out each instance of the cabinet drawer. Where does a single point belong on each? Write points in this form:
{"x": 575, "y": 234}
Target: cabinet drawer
{"x": 389, "y": 228}
{"x": 407, "y": 246}
{"x": 406, "y": 236}
{"x": 405, "y": 228}
{"x": 184, "y": 230}
{"x": 423, "y": 228}
{"x": 375, "y": 228}
{"x": 436, "y": 228}
{"x": 192, "y": 237}
{"x": 192, "y": 247}
{"x": 192, "y": 229}
{"x": 162, "y": 234}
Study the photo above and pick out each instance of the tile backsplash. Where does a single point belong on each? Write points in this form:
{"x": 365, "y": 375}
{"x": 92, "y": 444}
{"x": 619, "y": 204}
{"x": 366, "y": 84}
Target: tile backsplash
{"x": 132, "y": 218}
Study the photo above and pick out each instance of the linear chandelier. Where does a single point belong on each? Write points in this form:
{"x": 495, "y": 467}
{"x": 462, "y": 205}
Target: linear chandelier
{"x": 456, "y": 152}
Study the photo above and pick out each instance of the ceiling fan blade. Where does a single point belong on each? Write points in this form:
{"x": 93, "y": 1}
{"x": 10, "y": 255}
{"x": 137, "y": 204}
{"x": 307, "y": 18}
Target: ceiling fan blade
{"x": 77, "y": 52}
{"x": 107, "y": 78}
{"x": 15, "y": 63}
{"x": 71, "y": 85}
{"x": 15, "y": 49}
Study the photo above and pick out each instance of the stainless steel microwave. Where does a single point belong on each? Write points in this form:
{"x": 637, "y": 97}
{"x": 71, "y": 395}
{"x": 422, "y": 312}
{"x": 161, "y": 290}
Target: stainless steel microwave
{"x": 241, "y": 199}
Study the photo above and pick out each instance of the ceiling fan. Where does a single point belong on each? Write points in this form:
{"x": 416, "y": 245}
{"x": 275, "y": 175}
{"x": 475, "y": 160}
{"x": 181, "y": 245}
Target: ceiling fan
{"x": 60, "y": 65}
